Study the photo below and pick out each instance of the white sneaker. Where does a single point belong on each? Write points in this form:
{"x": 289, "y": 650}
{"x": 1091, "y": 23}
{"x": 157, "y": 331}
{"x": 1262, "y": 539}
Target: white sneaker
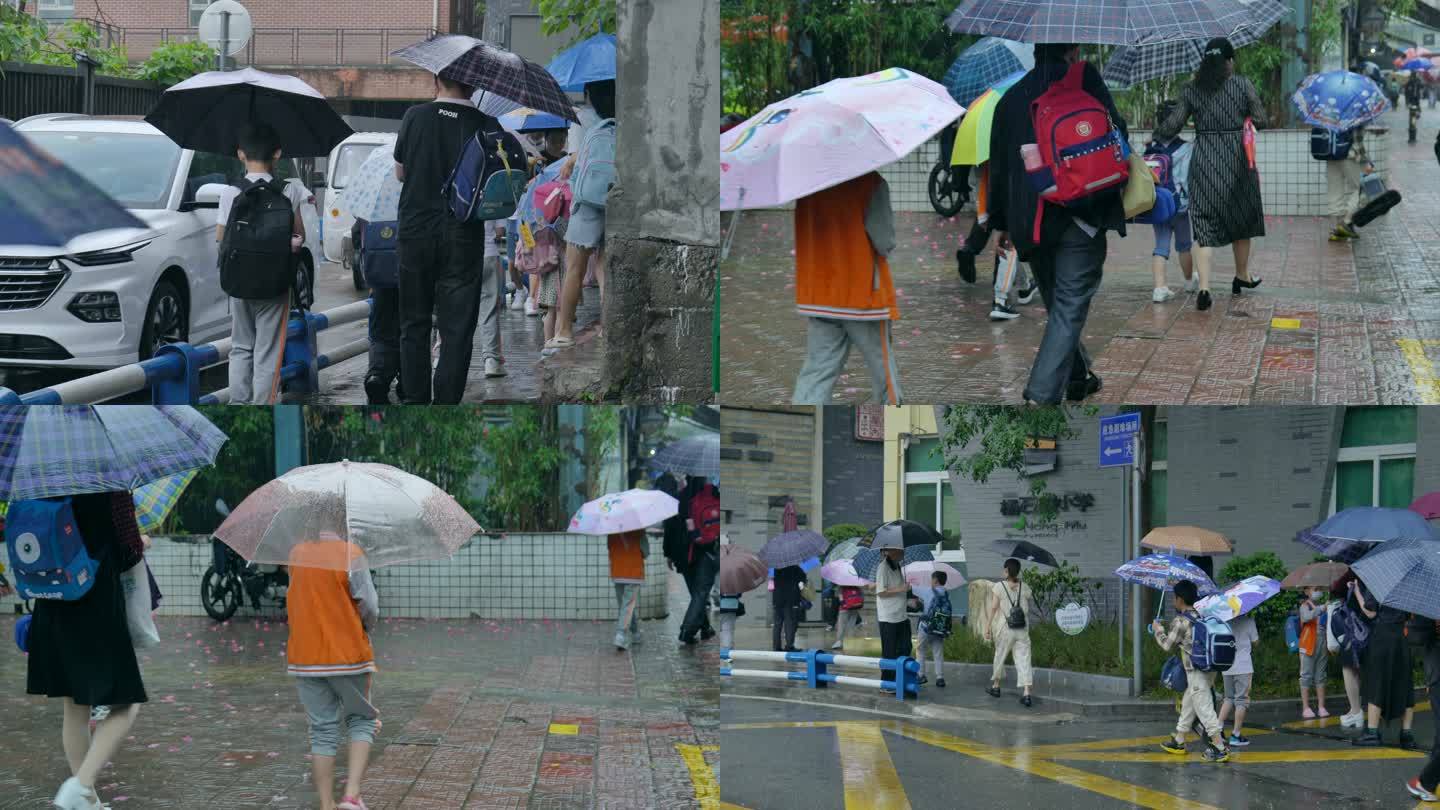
{"x": 1192, "y": 284}
{"x": 517, "y": 300}
{"x": 620, "y": 642}
{"x": 1161, "y": 295}
{"x": 1352, "y": 720}
{"x": 494, "y": 368}
{"x": 75, "y": 796}
{"x": 531, "y": 308}
{"x": 1001, "y": 312}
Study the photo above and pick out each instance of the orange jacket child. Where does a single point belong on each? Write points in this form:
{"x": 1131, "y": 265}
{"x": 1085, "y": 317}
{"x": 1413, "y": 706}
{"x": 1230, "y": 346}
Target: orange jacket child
{"x": 839, "y": 271}
{"x": 330, "y": 611}
{"x": 628, "y": 551}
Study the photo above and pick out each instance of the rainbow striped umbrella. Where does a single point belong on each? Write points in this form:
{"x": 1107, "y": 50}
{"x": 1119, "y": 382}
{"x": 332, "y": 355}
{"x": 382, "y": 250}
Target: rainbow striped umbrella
{"x": 156, "y": 500}
{"x": 972, "y": 142}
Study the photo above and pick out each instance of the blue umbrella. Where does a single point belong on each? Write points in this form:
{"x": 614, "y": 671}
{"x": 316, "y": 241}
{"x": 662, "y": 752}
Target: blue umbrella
{"x": 982, "y": 65}
{"x": 1349, "y": 533}
{"x": 1405, "y": 575}
{"x": 45, "y": 203}
{"x": 792, "y": 548}
{"x": 528, "y": 120}
{"x": 1162, "y": 571}
{"x": 868, "y": 560}
{"x": 1339, "y": 100}
{"x": 1417, "y": 64}
{"x": 51, "y": 450}
{"x": 592, "y": 60}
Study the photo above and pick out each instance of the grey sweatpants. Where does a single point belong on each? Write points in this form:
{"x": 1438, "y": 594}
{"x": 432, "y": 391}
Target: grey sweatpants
{"x": 627, "y": 615}
{"x": 257, "y": 347}
{"x": 492, "y": 299}
{"x": 828, "y": 346}
{"x": 329, "y": 701}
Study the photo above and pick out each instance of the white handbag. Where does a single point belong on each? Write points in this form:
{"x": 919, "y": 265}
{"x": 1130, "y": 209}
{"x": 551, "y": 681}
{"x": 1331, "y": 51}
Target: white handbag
{"x": 135, "y": 584}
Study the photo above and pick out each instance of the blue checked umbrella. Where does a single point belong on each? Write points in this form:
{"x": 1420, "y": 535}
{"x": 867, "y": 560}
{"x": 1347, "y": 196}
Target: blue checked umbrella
{"x": 792, "y": 548}
{"x": 1130, "y": 65}
{"x": 697, "y": 455}
{"x": 845, "y": 549}
{"x": 1405, "y": 575}
{"x": 45, "y": 203}
{"x": 47, "y": 451}
{"x": 982, "y": 65}
{"x": 1103, "y": 22}
{"x": 868, "y": 560}
{"x": 373, "y": 193}
{"x": 592, "y": 60}
{"x": 1346, "y": 535}
{"x": 1339, "y": 100}
{"x": 492, "y": 69}
{"x": 156, "y": 500}
{"x": 1162, "y": 571}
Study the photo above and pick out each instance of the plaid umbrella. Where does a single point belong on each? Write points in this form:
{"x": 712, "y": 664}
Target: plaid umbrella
{"x": 792, "y": 548}
{"x": 1130, "y": 65}
{"x": 47, "y": 451}
{"x": 1405, "y": 575}
{"x": 697, "y": 455}
{"x": 980, "y": 66}
{"x": 1346, "y": 535}
{"x": 868, "y": 560}
{"x": 155, "y": 500}
{"x": 1102, "y": 22}
{"x": 491, "y": 68}
{"x": 845, "y": 549}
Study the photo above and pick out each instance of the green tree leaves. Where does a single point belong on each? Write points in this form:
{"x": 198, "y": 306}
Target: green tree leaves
{"x": 582, "y": 18}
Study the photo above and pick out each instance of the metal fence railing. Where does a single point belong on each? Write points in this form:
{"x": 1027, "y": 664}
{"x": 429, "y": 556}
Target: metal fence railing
{"x": 27, "y": 90}
{"x": 270, "y": 47}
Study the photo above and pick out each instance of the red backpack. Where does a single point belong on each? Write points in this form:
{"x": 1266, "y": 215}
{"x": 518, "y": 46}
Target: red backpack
{"x": 851, "y": 598}
{"x": 1082, "y": 152}
{"x": 705, "y": 511}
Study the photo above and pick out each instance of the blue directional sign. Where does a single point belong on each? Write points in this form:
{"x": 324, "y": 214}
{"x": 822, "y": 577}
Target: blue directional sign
{"x": 1117, "y": 439}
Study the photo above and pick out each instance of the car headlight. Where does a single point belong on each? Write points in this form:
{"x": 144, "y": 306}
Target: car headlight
{"x": 96, "y": 258}
{"x": 95, "y": 307}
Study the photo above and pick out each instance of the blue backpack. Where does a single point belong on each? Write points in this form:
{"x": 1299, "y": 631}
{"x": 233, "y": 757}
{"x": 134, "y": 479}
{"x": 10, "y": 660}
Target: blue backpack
{"x": 47, "y": 552}
{"x": 380, "y": 256}
{"x": 1172, "y": 674}
{"x": 488, "y": 179}
{"x": 596, "y": 174}
{"x": 1326, "y": 144}
{"x": 1213, "y": 646}
{"x": 1163, "y": 211}
{"x": 1292, "y": 633}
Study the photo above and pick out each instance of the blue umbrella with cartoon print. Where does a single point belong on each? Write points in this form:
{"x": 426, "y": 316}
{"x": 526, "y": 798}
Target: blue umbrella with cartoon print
{"x": 1339, "y": 100}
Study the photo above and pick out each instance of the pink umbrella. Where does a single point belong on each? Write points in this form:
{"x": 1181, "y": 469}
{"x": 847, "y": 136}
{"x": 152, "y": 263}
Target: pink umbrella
{"x": 789, "y": 519}
{"x": 1427, "y": 506}
{"x": 842, "y": 572}
{"x": 740, "y": 570}
{"x": 918, "y": 575}
{"x": 822, "y": 137}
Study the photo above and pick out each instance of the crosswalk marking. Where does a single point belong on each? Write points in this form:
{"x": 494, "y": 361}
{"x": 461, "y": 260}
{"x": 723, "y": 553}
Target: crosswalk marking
{"x": 1426, "y": 383}
{"x": 866, "y": 769}
{"x": 702, "y": 776}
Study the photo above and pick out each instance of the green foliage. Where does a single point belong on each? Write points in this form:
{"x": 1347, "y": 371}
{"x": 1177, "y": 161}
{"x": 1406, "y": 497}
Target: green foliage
{"x": 978, "y": 440}
{"x": 1323, "y": 32}
{"x": 175, "y": 61}
{"x": 25, "y": 39}
{"x": 582, "y": 18}
{"x": 1052, "y": 588}
{"x": 841, "y": 532}
{"x": 245, "y": 462}
{"x": 21, "y": 35}
{"x": 1270, "y": 616}
{"x": 524, "y": 461}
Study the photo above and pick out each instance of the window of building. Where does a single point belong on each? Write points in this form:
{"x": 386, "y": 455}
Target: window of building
{"x": 1376, "y": 463}
{"x": 1158, "y": 483}
{"x": 928, "y": 497}
{"x": 197, "y": 7}
{"x": 56, "y": 9}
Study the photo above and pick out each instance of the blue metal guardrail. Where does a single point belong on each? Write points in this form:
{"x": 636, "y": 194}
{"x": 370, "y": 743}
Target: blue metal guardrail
{"x": 173, "y": 374}
{"x": 816, "y": 674}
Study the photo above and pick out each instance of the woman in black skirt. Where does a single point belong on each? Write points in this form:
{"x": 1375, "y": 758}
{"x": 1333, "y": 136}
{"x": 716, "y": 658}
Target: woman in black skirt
{"x": 1386, "y": 678}
{"x": 81, "y": 650}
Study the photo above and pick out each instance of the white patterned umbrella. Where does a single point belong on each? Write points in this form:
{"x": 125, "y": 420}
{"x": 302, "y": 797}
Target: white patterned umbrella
{"x": 374, "y": 192}
{"x": 624, "y": 512}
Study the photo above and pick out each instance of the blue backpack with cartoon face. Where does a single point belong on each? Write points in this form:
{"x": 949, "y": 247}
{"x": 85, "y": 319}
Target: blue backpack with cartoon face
{"x": 47, "y": 553}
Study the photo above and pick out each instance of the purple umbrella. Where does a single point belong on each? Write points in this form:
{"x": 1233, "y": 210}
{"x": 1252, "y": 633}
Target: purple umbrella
{"x": 1238, "y": 599}
{"x": 793, "y": 548}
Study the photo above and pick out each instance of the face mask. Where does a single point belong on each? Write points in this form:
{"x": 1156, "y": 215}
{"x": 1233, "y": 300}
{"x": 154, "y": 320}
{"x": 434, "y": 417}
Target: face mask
{"x": 1316, "y": 595}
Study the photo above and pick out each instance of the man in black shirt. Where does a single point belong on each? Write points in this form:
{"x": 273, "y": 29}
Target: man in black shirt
{"x": 440, "y": 258}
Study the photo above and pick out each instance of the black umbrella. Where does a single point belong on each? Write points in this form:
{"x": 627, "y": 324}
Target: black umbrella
{"x": 904, "y": 534}
{"x": 489, "y": 67}
{"x": 1027, "y": 551}
{"x": 206, "y": 112}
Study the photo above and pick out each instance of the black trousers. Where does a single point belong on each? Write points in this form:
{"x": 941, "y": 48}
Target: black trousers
{"x": 894, "y": 642}
{"x": 700, "y": 578}
{"x": 1068, "y": 275}
{"x": 785, "y": 618}
{"x": 439, "y": 287}
{"x": 1430, "y": 774}
{"x": 385, "y": 335}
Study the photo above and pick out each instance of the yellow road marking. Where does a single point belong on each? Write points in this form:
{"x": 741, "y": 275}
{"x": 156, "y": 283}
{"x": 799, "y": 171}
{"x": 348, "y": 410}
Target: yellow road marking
{"x": 1421, "y": 368}
{"x": 781, "y": 724}
{"x": 1055, "y": 749}
{"x": 702, "y": 776}
{"x": 564, "y": 728}
{"x": 1248, "y": 756}
{"x": 866, "y": 769}
{"x": 1284, "y": 323}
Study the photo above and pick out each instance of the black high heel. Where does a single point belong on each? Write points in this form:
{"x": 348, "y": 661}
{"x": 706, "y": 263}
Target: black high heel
{"x": 1237, "y": 285}
{"x": 1202, "y": 301}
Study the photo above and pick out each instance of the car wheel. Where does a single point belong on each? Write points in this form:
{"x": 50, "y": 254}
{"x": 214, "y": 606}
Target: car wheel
{"x": 167, "y": 319}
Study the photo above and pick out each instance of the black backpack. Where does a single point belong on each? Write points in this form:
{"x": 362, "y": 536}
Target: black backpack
{"x": 256, "y": 262}
{"x": 1015, "y": 619}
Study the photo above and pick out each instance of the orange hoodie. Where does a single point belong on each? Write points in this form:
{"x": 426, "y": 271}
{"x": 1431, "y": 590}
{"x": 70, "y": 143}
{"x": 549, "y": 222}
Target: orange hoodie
{"x": 838, "y": 274}
{"x": 327, "y": 630}
{"x": 627, "y": 557}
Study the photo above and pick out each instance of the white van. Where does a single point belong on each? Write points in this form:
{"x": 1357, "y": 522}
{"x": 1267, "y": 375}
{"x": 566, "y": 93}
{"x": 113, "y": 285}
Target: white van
{"x": 345, "y": 159}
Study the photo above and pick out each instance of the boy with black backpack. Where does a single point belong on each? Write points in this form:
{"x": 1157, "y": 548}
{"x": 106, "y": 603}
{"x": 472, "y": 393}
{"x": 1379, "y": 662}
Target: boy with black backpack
{"x": 1198, "y": 655}
{"x": 259, "y": 228}
{"x": 935, "y": 627}
{"x": 1345, "y": 165}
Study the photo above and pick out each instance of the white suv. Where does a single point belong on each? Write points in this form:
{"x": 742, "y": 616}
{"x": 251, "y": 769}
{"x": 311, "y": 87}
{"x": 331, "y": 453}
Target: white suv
{"x": 115, "y": 297}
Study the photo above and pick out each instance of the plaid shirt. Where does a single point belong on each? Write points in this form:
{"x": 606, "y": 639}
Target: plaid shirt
{"x": 1181, "y": 633}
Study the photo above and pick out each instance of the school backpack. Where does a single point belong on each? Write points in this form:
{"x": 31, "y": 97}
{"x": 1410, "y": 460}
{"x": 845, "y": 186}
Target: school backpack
{"x": 1327, "y": 144}
{"x": 1082, "y": 152}
{"x": 47, "y": 553}
{"x": 705, "y": 511}
{"x": 596, "y": 173}
{"x": 1162, "y": 211}
{"x": 380, "y": 255}
{"x": 488, "y": 178}
{"x": 1170, "y": 164}
{"x": 938, "y": 622}
{"x": 1213, "y": 646}
{"x": 851, "y": 597}
{"x": 256, "y": 262}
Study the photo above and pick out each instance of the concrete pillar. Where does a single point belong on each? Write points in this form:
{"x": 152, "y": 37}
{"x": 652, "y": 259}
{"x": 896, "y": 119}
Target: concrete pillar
{"x": 663, "y": 219}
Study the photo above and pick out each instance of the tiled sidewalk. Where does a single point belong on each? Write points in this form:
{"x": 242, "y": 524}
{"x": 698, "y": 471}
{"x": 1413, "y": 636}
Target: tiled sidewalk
{"x": 1368, "y": 326}
{"x": 476, "y": 714}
